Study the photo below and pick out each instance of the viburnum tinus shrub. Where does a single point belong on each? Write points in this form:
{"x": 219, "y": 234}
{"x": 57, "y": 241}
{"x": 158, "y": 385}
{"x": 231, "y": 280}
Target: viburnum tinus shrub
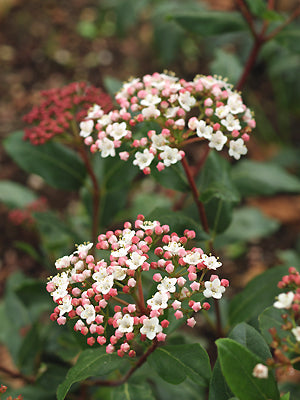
{"x": 207, "y": 108}
{"x": 106, "y": 297}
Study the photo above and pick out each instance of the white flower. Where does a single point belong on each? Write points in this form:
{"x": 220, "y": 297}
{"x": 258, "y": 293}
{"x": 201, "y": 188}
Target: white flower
{"x": 150, "y": 99}
{"x": 167, "y": 285}
{"x": 231, "y": 123}
{"x": 296, "y": 333}
{"x": 83, "y": 249}
{"x": 159, "y": 141}
{"x": 126, "y": 323}
{"x": 104, "y": 285}
{"x": 95, "y": 112}
{"x": 186, "y": 100}
{"x": 63, "y": 262}
{"x": 170, "y": 156}
{"x": 173, "y": 247}
{"x": 100, "y": 274}
{"x": 143, "y": 160}
{"x": 136, "y": 260}
{"x": 151, "y": 112}
{"x": 171, "y": 112}
{"x": 285, "y": 300}
{"x": 204, "y": 130}
{"x": 126, "y": 237}
{"x": 86, "y": 128}
{"x": 237, "y": 148}
{"x": 260, "y": 371}
{"x": 121, "y": 252}
{"x": 158, "y": 301}
{"x": 88, "y": 313}
{"x": 148, "y": 225}
{"x": 150, "y": 327}
{"x": 119, "y": 273}
{"x": 211, "y": 262}
{"x": 104, "y": 120}
{"x": 213, "y": 289}
{"x": 106, "y": 147}
{"x": 217, "y": 140}
{"x": 222, "y": 111}
{"x": 117, "y": 131}
{"x": 193, "y": 258}
{"x": 66, "y": 305}
{"x": 61, "y": 282}
{"x": 235, "y": 103}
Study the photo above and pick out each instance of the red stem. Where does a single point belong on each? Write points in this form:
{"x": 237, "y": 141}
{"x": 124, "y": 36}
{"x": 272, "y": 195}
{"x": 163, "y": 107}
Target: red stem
{"x": 141, "y": 296}
{"x": 247, "y": 16}
{"x": 17, "y": 375}
{"x": 196, "y": 194}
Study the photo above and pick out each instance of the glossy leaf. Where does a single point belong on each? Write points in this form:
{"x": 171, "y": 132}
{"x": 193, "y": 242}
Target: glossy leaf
{"x": 257, "y": 295}
{"x": 249, "y": 337}
{"x": 92, "y": 362}
{"x": 207, "y": 23}
{"x": 14, "y": 195}
{"x": 271, "y": 318}
{"x": 253, "y": 178}
{"x": 175, "y": 363}
{"x": 237, "y": 364}
{"x": 59, "y": 166}
{"x": 172, "y": 177}
{"x": 218, "y": 388}
{"x": 133, "y": 392}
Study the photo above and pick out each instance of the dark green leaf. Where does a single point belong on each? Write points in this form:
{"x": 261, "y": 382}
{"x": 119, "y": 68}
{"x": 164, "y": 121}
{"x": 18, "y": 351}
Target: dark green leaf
{"x": 256, "y": 7}
{"x": 207, "y": 23}
{"x": 257, "y": 295}
{"x": 172, "y": 177}
{"x": 271, "y": 318}
{"x": 52, "y": 376}
{"x": 237, "y": 365}
{"x": 91, "y": 362}
{"x": 175, "y": 363}
{"x": 111, "y": 84}
{"x": 218, "y": 388}
{"x": 248, "y": 336}
{"x": 219, "y": 214}
{"x": 254, "y": 178}
{"x": 59, "y": 166}
{"x": 15, "y": 195}
{"x": 29, "y": 351}
{"x": 215, "y": 181}
{"x": 133, "y": 392}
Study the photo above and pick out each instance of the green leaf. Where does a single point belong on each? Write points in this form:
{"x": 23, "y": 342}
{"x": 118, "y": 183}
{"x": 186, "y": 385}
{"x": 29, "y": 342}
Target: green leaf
{"x": 87, "y": 29}
{"x": 29, "y": 351}
{"x": 248, "y": 336}
{"x": 237, "y": 364}
{"x": 175, "y": 363}
{"x": 91, "y": 362}
{"x": 256, "y": 7}
{"x": 172, "y": 177}
{"x": 52, "y": 376}
{"x": 14, "y": 195}
{"x": 215, "y": 180}
{"x": 285, "y": 396}
{"x": 133, "y": 392}
{"x": 219, "y": 214}
{"x": 218, "y": 388}
{"x": 207, "y": 23}
{"x": 248, "y": 223}
{"x": 227, "y": 65}
{"x": 254, "y": 178}
{"x": 257, "y": 295}
{"x": 271, "y": 318}
{"x": 59, "y": 166}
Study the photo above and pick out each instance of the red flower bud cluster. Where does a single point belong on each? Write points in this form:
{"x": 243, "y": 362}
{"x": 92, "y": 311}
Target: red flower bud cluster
{"x": 60, "y": 106}
{"x": 20, "y": 216}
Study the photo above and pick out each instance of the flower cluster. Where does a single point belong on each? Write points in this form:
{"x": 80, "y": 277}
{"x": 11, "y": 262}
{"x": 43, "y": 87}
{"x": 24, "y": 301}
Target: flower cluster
{"x": 108, "y": 298}
{"x": 59, "y": 108}
{"x": 286, "y": 343}
{"x": 206, "y": 108}
{"x": 20, "y": 216}
{"x": 3, "y": 389}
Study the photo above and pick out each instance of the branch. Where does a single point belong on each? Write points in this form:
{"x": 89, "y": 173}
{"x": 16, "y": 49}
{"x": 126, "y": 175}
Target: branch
{"x": 247, "y": 16}
{"x": 17, "y": 375}
{"x": 275, "y": 32}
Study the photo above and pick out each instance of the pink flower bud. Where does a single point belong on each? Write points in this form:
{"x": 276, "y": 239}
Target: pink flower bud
{"x": 191, "y": 322}
{"x": 101, "y": 340}
{"x": 161, "y": 337}
{"x": 170, "y": 268}
{"x": 157, "y": 277}
{"x": 110, "y": 349}
{"x": 178, "y": 314}
{"x": 181, "y": 281}
{"x": 196, "y": 306}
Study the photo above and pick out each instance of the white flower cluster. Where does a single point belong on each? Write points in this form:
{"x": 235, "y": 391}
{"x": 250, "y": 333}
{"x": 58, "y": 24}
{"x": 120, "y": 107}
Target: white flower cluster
{"x": 222, "y": 118}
